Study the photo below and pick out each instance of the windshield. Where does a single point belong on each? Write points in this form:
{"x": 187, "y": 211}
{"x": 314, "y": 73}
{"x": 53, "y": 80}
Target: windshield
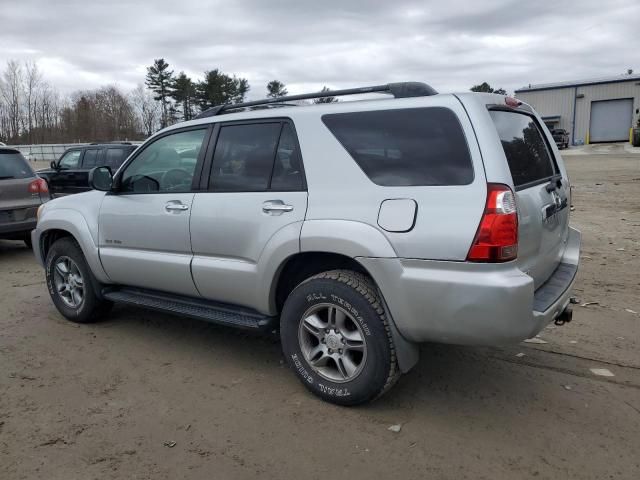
{"x": 13, "y": 165}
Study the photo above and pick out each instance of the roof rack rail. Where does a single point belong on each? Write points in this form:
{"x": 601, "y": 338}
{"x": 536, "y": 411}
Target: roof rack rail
{"x": 398, "y": 90}
{"x": 114, "y": 142}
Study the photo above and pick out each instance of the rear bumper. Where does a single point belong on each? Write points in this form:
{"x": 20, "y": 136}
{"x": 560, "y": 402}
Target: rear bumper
{"x": 17, "y": 229}
{"x": 470, "y": 303}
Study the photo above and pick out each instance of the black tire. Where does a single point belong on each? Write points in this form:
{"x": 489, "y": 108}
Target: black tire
{"x": 91, "y": 308}
{"x": 27, "y": 240}
{"x": 353, "y": 293}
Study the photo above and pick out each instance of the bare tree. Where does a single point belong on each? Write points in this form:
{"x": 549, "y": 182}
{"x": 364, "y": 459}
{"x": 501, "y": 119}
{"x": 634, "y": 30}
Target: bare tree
{"x": 11, "y": 94}
{"x": 31, "y": 84}
{"x": 146, "y": 108}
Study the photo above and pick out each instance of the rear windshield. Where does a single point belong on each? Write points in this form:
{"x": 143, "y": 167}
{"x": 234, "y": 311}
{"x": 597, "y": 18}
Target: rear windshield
{"x": 405, "y": 147}
{"x": 526, "y": 151}
{"x": 13, "y": 165}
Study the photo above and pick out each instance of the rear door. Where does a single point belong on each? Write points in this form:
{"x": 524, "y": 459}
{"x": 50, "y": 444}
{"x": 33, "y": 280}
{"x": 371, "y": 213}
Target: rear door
{"x": 541, "y": 192}
{"x": 114, "y": 157}
{"x": 255, "y": 192}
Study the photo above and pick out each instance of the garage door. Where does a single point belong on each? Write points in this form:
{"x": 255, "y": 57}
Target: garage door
{"x": 610, "y": 120}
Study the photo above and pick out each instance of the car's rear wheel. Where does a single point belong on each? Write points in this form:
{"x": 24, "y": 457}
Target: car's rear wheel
{"x": 336, "y": 338}
{"x": 71, "y": 284}
{"x": 27, "y": 240}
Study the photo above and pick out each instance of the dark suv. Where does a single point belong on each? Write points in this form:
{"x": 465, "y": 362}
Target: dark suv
{"x": 70, "y": 173}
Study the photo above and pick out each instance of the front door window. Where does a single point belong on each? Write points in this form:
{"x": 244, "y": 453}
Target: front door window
{"x": 166, "y": 165}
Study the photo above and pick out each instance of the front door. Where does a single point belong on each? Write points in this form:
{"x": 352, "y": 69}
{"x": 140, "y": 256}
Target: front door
{"x": 62, "y": 179}
{"x": 256, "y": 199}
{"x": 144, "y": 225}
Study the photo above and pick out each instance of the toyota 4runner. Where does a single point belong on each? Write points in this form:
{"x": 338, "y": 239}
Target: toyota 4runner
{"x": 356, "y": 229}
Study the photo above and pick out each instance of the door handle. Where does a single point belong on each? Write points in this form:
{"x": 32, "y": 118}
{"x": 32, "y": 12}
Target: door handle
{"x": 276, "y": 206}
{"x": 170, "y": 207}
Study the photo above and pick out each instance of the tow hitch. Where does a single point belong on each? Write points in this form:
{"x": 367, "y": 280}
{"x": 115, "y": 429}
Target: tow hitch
{"x": 564, "y": 317}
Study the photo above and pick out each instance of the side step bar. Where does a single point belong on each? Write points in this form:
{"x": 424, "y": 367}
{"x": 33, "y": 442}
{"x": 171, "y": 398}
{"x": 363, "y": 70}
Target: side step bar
{"x": 200, "y": 309}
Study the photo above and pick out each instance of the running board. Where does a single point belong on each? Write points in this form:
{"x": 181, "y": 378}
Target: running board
{"x": 200, "y": 309}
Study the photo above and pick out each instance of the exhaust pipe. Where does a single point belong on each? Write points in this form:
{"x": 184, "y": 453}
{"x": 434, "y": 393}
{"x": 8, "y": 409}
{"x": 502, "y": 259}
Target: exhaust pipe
{"x": 565, "y": 316}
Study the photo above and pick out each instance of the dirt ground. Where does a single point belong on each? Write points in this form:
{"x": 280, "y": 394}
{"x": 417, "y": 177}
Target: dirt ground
{"x": 107, "y": 400}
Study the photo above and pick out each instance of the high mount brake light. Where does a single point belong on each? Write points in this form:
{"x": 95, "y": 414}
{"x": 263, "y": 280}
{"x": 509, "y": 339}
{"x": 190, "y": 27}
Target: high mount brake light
{"x": 39, "y": 185}
{"x": 497, "y": 236}
{"x": 512, "y": 102}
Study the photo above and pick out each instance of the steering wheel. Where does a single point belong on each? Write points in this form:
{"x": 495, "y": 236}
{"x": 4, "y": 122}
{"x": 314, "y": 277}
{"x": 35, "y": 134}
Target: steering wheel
{"x": 176, "y": 177}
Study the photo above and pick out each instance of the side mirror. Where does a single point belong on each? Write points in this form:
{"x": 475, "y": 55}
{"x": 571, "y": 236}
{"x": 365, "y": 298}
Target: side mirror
{"x": 101, "y": 178}
{"x": 53, "y": 165}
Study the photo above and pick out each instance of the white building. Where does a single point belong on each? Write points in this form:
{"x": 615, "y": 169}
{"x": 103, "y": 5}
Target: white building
{"x": 592, "y": 111}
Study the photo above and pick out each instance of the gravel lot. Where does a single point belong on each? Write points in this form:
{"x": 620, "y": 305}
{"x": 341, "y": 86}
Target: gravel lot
{"x": 108, "y": 400}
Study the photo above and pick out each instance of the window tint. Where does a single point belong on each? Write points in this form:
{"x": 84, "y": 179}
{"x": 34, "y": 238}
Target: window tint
{"x": 90, "y": 158}
{"x": 244, "y": 157}
{"x": 287, "y": 169}
{"x": 70, "y": 159}
{"x": 160, "y": 168}
{"x": 114, "y": 157}
{"x": 13, "y": 165}
{"x": 527, "y": 154}
{"x": 419, "y": 146}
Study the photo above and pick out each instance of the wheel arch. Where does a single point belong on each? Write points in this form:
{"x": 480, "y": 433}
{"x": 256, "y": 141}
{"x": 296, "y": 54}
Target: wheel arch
{"x": 60, "y": 223}
{"x": 301, "y": 266}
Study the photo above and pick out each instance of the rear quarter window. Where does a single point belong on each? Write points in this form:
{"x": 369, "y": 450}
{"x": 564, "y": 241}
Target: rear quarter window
{"x": 405, "y": 147}
{"x": 527, "y": 153}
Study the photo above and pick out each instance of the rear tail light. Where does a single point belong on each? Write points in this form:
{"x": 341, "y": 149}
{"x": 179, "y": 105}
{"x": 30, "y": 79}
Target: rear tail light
{"x": 497, "y": 236}
{"x": 39, "y": 185}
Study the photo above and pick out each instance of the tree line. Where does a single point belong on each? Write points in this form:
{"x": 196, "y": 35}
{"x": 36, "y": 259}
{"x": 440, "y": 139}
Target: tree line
{"x": 32, "y": 111}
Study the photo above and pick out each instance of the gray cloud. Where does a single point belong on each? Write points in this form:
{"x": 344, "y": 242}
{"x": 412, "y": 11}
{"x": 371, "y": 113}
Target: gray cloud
{"x": 451, "y": 45}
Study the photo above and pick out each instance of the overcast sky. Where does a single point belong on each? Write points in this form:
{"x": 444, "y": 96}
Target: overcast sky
{"x": 340, "y": 43}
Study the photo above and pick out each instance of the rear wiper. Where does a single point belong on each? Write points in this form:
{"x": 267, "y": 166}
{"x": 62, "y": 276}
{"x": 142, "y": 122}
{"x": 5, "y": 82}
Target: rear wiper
{"x": 554, "y": 183}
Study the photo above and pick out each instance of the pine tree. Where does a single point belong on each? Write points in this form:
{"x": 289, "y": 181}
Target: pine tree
{"x": 218, "y": 88}
{"x": 325, "y": 99}
{"x": 276, "y": 88}
{"x": 159, "y": 80}
{"x": 485, "y": 87}
{"x": 183, "y": 91}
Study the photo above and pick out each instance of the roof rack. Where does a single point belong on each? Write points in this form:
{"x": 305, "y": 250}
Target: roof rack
{"x": 115, "y": 142}
{"x": 398, "y": 90}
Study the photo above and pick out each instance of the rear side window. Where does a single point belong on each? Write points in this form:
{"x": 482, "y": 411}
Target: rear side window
{"x": 406, "y": 147}
{"x": 13, "y": 165}
{"x": 114, "y": 157}
{"x": 526, "y": 151}
{"x": 256, "y": 157}
{"x": 90, "y": 158}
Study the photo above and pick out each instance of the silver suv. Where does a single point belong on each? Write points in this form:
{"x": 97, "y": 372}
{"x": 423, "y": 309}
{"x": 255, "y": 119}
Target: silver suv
{"x": 358, "y": 229}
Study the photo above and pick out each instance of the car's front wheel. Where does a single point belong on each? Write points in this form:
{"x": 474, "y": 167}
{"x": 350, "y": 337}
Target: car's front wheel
{"x": 70, "y": 283}
{"x": 336, "y": 338}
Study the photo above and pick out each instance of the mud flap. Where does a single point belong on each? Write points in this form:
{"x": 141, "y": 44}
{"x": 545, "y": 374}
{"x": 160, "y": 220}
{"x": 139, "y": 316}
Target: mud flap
{"x": 407, "y": 352}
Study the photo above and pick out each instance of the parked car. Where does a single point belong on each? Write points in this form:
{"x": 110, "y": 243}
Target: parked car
{"x": 70, "y": 173}
{"x": 21, "y": 193}
{"x": 561, "y": 137}
{"x": 358, "y": 229}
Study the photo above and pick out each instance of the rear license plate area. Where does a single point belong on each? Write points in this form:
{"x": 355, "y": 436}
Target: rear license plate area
{"x": 6, "y": 216}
